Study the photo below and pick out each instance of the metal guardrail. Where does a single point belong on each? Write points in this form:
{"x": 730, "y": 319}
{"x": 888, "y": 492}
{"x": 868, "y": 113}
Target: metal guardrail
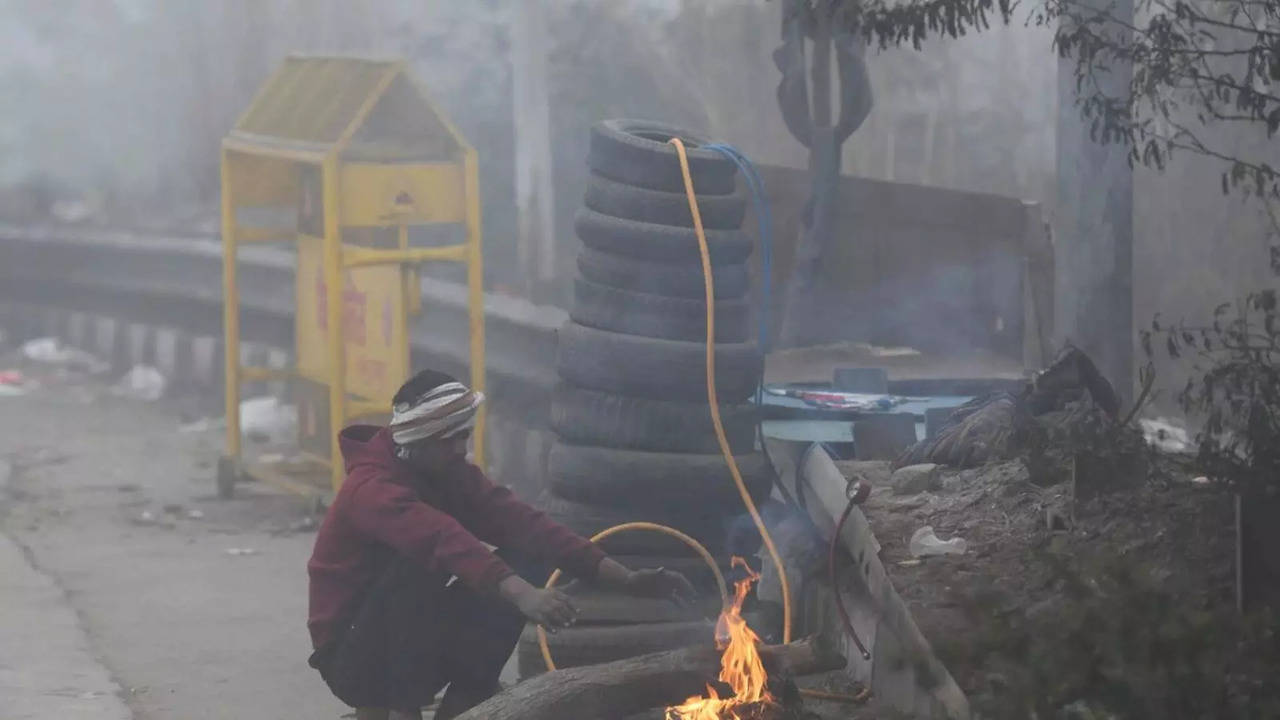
{"x": 176, "y": 281}
{"x": 903, "y": 672}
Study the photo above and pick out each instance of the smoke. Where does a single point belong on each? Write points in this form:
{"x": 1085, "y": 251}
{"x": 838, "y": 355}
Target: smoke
{"x": 120, "y": 104}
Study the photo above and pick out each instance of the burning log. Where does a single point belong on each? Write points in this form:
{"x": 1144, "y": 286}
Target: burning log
{"x": 741, "y": 667}
{"x": 628, "y": 687}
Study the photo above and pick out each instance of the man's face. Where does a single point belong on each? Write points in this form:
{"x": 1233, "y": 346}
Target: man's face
{"x": 438, "y": 454}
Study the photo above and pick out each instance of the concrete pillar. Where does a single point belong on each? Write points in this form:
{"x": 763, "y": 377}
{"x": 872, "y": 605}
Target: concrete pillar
{"x": 140, "y": 340}
{"x": 536, "y": 235}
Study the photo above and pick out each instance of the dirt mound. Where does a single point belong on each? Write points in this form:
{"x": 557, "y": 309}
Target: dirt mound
{"x": 1016, "y": 618}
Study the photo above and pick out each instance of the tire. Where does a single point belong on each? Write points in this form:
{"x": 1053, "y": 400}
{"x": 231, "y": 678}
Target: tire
{"x": 656, "y": 316}
{"x": 683, "y": 280}
{"x": 598, "y": 606}
{"x": 588, "y": 645}
{"x": 707, "y": 525}
{"x": 609, "y": 197}
{"x": 658, "y": 243}
{"x": 636, "y": 152}
{"x": 623, "y": 479}
{"x": 587, "y": 417}
{"x": 652, "y": 368}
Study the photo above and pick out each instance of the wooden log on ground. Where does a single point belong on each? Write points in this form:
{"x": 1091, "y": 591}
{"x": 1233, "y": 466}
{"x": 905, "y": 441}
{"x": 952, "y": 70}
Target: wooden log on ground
{"x": 626, "y": 687}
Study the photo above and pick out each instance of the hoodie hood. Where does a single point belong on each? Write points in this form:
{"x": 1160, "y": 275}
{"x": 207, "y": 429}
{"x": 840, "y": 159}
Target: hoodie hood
{"x": 367, "y": 445}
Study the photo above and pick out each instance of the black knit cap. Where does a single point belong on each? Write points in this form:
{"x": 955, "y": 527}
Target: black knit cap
{"x": 420, "y": 384}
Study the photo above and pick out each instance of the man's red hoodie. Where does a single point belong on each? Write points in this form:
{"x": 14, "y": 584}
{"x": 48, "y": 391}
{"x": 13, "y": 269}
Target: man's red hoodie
{"x": 384, "y": 509}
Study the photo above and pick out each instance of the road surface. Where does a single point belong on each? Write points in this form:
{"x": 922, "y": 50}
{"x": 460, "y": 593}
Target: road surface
{"x": 121, "y": 598}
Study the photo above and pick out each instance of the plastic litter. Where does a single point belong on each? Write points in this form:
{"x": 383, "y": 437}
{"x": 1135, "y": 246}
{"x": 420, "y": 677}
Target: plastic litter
{"x": 142, "y": 382}
{"x": 51, "y": 351}
{"x": 266, "y": 419}
{"x": 13, "y": 383}
{"x": 240, "y": 552}
{"x": 45, "y": 350}
{"x": 1165, "y": 435}
{"x": 263, "y": 419}
{"x": 925, "y": 543}
{"x": 836, "y": 399}
{"x": 195, "y": 514}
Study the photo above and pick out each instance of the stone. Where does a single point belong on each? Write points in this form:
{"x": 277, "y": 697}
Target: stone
{"x": 914, "y": 479}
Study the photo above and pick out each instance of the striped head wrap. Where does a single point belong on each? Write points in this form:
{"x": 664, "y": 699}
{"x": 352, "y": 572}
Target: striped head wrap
{"x": 441, "y": 412}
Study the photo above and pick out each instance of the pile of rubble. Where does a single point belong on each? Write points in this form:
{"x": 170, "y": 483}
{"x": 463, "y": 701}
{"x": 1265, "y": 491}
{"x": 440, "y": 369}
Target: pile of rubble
{"x": 1029, "y": 511}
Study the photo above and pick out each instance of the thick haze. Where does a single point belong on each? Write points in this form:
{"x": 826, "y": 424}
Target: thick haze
{"x": 127, "y": 98}
{"x": 119, "y": 105}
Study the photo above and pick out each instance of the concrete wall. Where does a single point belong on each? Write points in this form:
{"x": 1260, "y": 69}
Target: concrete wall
{"x": 1195, "y": 248}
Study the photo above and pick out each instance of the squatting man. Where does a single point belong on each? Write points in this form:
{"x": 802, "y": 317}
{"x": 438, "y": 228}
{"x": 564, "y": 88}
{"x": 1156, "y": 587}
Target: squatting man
{"x": 406, "y": 597}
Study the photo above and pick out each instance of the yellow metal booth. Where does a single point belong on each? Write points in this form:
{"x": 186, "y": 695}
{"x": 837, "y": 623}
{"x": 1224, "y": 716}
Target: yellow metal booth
{"x": 361, "y": 163}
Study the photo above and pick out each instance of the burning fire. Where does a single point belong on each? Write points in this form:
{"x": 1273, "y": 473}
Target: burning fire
{"x": 740, "y": 665}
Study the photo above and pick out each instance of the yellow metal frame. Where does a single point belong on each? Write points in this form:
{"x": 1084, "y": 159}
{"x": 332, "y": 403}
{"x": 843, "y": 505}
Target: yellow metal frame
{"x": 337, "y": 259}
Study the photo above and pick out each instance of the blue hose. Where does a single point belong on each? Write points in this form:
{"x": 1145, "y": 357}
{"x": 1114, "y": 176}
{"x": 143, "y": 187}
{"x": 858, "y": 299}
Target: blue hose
{"x": 764, "y": 219}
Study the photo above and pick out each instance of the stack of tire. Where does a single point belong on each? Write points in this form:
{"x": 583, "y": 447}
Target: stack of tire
{"x": 635, "y": 441}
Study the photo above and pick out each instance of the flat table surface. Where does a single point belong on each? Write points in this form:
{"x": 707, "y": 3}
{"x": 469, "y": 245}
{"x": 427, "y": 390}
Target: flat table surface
{"x": 795, "y": 420}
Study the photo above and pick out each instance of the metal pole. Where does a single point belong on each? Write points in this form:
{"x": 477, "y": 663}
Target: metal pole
{"x": 230, "y": 313}
{"x": 333, "y": 275}
{"x": 475, "y": 295}
{"x": 409, "y": 273}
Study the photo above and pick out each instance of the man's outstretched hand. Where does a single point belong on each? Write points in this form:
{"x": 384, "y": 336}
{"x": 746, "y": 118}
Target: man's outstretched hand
{"x": 661, "y": 583}
{"x": 658, "y": 582}
{"x": 551, "y": 609}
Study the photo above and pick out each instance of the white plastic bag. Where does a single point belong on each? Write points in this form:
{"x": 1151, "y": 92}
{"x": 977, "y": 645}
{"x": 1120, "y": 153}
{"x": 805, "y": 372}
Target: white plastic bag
{"x": 51, "y": 351}
{"x": 925, "y": 543}
{"x": 142, "y": 382}
{"x": 266, "y": 419}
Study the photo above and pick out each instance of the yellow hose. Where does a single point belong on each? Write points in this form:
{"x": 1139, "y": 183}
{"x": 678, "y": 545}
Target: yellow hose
{"x": 711, "y": 390}
{"x": 653, "y": 527}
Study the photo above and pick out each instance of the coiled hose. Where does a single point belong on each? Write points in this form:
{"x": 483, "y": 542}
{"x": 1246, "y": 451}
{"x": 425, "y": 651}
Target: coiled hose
{"x": 646, "y": 526}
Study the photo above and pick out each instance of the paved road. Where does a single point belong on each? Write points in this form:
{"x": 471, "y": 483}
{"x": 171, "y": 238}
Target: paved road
{"x": 106, "y": 607}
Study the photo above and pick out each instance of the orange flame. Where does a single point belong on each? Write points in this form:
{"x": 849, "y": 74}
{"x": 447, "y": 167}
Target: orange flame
{"x": 740, "y": 665}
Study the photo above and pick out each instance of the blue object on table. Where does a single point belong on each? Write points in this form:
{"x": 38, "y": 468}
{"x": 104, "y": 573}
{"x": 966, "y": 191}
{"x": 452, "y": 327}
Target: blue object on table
{"x": 792, "y": 418}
